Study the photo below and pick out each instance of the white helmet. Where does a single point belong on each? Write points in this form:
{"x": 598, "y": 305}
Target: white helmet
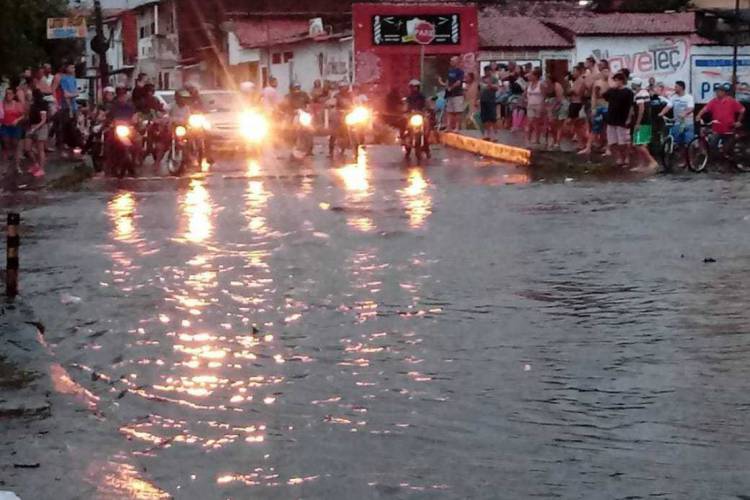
{"x": 415, "y": 83}
{"x": 247, "y": 87}
{"x": 109, "y": 89}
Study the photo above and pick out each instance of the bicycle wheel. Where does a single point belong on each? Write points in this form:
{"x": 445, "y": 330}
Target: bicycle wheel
{"x": 667, "y": 154}
{"x": 697, "y": 155}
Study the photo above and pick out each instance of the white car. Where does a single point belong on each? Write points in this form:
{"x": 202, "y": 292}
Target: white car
{"x": 232, "y": 123}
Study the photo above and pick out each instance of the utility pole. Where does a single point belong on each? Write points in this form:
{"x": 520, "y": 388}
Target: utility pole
{"x": 99, "y": 44}
{"x": 736, "y": 43}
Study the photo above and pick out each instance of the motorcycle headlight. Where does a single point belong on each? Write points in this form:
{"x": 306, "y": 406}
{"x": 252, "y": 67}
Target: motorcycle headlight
{"x": 416, "y": 121}
{"x": 180, "y": 131}
{"x": 253, "y": 126}
{"x": 122, "y": 131}
{"x": 198, "y": 121}
{"x": 357, "y": 116}
{"x": 305, "y": 119}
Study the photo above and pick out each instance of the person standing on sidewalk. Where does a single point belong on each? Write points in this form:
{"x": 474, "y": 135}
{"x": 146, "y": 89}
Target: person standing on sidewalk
{"x": 488, "y": 104}
{"x": 534, "y": 107}
{"x": 38, "y": 132}
{"x": 472, "y": 98}
{"x": 69, "y": 106}
{"x": 682, "y": 106}
{"x": 454, "y": 94}
{"x": 642, "y": 126}
{"x": 620, "y": 101}
{"x": 10, "y": 131}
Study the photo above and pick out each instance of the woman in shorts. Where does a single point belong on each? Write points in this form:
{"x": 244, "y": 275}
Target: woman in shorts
{"x": 38, "y": 131}
{"x": 10, "y": 127}
{"x": 534, "y": 107}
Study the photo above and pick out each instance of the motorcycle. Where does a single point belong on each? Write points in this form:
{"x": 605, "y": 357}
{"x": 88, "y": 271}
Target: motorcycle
{"x": 95, "y": 146}
{"x": 124, "y": 150}
{"x": 187, "y": 149}
{"x": 254, "y": 128}
{"x": 416, "y": 136}
{"x": 302, "y": 135}
{"x": 357, "y": 122}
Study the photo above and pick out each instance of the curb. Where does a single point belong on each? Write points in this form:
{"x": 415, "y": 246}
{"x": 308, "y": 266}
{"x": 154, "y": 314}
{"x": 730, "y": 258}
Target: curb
{"x": 519, "y": 156}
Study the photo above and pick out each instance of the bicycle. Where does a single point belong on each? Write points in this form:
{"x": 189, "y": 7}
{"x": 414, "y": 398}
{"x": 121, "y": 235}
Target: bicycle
{"x": 668, "y": 146}
{"x": 708, "y": 146}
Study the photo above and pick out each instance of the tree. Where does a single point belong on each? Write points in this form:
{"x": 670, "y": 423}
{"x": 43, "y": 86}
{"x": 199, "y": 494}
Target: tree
{"x": 23, "y": 33}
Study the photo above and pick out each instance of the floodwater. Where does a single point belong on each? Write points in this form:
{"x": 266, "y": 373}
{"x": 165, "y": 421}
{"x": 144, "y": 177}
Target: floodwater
{"x": 375, "y": 330}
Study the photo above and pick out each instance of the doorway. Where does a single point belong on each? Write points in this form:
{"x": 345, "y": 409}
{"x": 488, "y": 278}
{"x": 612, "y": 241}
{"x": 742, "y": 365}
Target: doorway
{"x": 556, "y": 67}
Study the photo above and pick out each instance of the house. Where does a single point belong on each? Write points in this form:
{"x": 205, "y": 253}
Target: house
{"x": 293, "y": 50}
{"x": 158, "y": 41}
{"x": 122, "y": 53}
{"x": 523, "y": 39}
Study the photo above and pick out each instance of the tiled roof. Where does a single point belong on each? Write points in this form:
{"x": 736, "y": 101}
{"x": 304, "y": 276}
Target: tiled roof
{"x": 264, "y": 32}
{"x": 499, "y": 31}
{"x": 627, "y": 24}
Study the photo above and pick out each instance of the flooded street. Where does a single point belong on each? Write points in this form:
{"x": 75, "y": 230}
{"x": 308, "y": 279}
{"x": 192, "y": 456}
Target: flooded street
{"x": 376, "y": 330}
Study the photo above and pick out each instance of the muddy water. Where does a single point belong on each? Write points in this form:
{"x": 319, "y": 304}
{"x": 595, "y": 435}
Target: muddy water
{"x": 380, "y": 331}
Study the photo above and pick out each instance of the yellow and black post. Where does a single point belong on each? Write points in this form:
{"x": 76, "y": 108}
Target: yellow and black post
{"x": 14, "y": 241}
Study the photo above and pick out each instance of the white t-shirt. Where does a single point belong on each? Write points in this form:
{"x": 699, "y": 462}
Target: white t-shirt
{"x": 270, "y": 97}
{"x": 680, "y": 104}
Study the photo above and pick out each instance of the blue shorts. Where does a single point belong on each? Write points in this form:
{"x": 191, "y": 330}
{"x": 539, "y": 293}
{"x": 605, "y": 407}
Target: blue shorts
{"x": 597, "y": 123}
{"x": 682, "y": 133}
{"x": 11, "y": 132}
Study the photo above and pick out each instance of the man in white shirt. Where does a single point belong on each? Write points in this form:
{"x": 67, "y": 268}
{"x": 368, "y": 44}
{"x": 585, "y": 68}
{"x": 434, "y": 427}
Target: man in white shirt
{"x": 270, "y": 97}
{"x": 682, "y": 105}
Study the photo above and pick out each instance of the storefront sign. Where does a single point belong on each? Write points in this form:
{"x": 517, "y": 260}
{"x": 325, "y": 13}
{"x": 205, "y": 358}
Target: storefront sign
{"x": 424, "y": 30}
{"x": 665, "y": 59}
{"x": 66, "y": 27}
{"x": 708, "y": 72}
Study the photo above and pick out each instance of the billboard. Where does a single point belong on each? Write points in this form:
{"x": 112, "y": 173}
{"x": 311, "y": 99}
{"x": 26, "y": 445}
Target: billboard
{"x": 66, "y": 27}
{"x": 710, "y": 71}
{"x": 420, "y": 29}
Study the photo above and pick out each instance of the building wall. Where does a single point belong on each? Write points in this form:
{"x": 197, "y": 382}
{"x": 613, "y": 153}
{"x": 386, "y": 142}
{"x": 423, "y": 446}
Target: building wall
{"x": 395, "y": 65}
{"x": 536, "y": 57}
{"x": 712, "y": 65}
{"x": 310, "y": 61}
{"x": 666, "y": 58}
{"x": 720, "y": 4}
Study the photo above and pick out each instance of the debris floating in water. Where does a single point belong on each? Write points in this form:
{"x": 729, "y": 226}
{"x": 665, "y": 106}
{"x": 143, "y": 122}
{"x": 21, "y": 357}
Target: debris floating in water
{"x": 527, "y": 367}
{"x": 67, "y": 298}
{"x": 709, "y": 260}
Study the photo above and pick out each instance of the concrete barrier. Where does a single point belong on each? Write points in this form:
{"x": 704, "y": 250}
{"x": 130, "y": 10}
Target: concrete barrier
{"x": 511, "y": 154}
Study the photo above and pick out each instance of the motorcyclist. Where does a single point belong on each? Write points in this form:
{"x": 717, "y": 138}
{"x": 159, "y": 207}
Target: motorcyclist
{"x": 343, "y": 103}
{"x": 154, "y": 127}
{"x": 196, "y": 103}
{"x": 416, "y": 102}
{"x": 248, "y": 93}
{"x": 297, "y": 98}
{"x": 122, "y": 111}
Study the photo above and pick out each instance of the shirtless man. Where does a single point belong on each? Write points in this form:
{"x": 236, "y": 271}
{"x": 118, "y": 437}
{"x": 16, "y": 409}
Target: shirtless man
{"x": 599, "y": 109}
{"x": 576, "y": 115}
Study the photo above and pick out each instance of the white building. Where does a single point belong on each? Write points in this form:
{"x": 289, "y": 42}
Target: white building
{"x": 286, "y": 50}
{"x": 158, "y": 43}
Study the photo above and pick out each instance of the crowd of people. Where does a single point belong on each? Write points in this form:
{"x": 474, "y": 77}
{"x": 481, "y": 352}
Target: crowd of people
{"x": 617, "y": 114}
{"x": 37, "y": 114}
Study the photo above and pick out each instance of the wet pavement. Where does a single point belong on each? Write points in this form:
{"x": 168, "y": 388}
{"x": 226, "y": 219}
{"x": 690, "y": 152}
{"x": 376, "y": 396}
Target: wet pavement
{"x": 382, "y": 330}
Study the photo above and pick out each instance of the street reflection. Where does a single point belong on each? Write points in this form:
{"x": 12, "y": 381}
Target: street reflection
{"x": 356, "y": 182}
{"x": 121, "y": 211}
{"x": 416, "y": 198}
{"x": 196, "y": 207}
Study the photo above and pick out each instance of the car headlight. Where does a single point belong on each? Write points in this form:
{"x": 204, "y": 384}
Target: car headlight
{"x": 416, "y": 121}
{"x": 358, "y": 116}
{"x": 198, "y": 121}
{"x": 253, "y": 126}
{"x": 305, "y": 119}
{"x": 180, "y": 131}
{"x": 122, "y": 131}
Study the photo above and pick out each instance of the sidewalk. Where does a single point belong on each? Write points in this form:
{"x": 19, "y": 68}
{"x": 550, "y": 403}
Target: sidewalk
{"x": 60, "y": 173}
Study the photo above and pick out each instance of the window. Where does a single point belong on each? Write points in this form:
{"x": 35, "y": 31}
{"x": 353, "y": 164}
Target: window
{"x": 276, "y": 58}
{"x": 143, "y": 32}
{"x": 152, "y": 31}
{"x": 288, "y": 56}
